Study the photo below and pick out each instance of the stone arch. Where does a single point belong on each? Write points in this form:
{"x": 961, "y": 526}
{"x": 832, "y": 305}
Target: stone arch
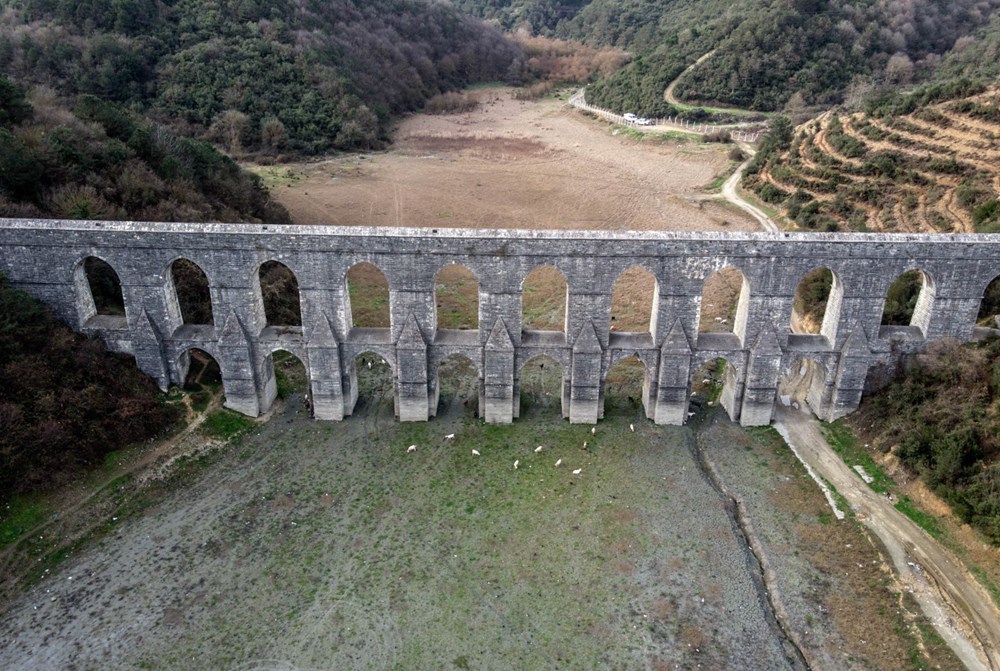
{"x": 909, "y": 302}
{"x": 456, "y": 379}
{"x": 278, "y": 375}
{"x": 545, "y": 300}
{"x": 189, "y": 294}
{"x": 725, "y": 302}
{"x": 280, "y": 299}
{"x": 635, "y": 296}
{"x": 724, "y": 386}
{"x": 816, "y": 305}
{"x": 456, "y": 290}
{"x": 627, "y": 384}
{"x": 806, "y": 380}
{"x": 367, "y": 297}
{"x": 369, "y": 376}
{"x": 98, "y": 292}
{"x": 199, "y": 372}
{"x": 989, "y": 305}
{"x": 542, "y": 380}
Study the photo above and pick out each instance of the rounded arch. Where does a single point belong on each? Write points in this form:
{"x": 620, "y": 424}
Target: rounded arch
{"x": 635, "y": 296}
{"x": 627, "y": 384}
{"x": 370, "y": 380}
{"x": 542, "y": 384}
{"x": 367, "y": 296}
{"x": 718, "y": 380}
{"x": 909, "y": 300}
{"x": 456, "y": 297}
{"x": 806, "y": 381}
{"x": 544, "y": 299}
{"x": 98, "y": 290}
{"x": 189, "y": 294}
{"x": 725, "y": 302}
{"x": 989, "y": 305}
{"x": 200, "y": 374}
{"x": 278, "y": 287}
{"x": 289, "y": 369}
{"x": 456, "y": 385}
{"x": 817, "y": 302}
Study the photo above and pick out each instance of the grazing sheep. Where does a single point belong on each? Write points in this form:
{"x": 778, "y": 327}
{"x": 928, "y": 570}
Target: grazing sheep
{"x": 449, "y": 436}
{"x": 475, "y": 453}
{"x": 411, "y": 448}
{"x": 631, "y": 427}
{"x": 369, "y": 365}
{"x": 593, "y": 430}
{"x": 578, "y": 471}
{"x": 584, "y": 444}
{"x": 558, "y": 461}
{"x": 538, "y": 449}
{"x": 517, "y": 463}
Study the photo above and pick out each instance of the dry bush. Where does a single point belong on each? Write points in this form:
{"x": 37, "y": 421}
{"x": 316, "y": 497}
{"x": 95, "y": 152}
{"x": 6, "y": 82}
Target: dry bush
{"x": 564, "y": 62}
{"x": 721, "y": 136}
{"x": 451, "y": 103}
{"x": 535, "y": 91}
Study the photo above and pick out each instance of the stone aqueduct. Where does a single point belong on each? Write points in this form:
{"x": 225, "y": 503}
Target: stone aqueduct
{"x": 46, "y": 259}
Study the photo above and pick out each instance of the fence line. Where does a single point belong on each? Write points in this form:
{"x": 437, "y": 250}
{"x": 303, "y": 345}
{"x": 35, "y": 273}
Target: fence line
{"x": 579, "y": 101}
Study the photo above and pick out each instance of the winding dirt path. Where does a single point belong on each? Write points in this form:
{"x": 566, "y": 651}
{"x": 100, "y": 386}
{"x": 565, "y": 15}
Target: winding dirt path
{"x": 730, "y": 193}
{"x": 668, "y": 94}
{"x": 961, "y": 610}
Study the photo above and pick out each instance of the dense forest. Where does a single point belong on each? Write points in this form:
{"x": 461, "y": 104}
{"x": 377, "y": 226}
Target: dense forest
{"x": 768, "y": 54}
{"x": 283, "y": 76}
{"x": 100, "y": 161}
{"x": 65, "y": 402}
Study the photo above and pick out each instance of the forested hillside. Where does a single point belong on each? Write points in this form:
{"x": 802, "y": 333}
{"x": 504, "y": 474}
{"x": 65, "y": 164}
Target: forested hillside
{"x": 769, "y": 54}
{"x": 99, "y": 161}
{"x": 287, "y": 75}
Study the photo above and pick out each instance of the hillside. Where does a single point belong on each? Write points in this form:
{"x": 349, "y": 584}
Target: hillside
{"x": 265, "y": 77}
{"x": 927, "y": 162}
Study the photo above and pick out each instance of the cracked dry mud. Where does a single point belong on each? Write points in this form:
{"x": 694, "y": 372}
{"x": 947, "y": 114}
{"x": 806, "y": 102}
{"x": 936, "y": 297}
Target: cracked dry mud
{"x": 317, "y": 546}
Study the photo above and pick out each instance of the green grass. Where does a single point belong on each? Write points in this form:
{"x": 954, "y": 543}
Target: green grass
{"x": 924, "y": 520}
{"x": 20, "y": 516}
{"x": 987, "y": 582}
{"x": 843, "y": 442}
{"x": 227, "y": 425}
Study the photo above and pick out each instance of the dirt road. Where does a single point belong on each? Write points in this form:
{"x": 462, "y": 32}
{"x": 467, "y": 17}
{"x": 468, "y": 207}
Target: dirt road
{"x": 959, "y": 607}
{"x": 729, "y": 193}
{"x": 668, "y": 94}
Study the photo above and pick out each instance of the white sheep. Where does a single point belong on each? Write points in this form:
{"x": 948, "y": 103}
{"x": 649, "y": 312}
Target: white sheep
{"x": 517, "y": 463}
{"x": 475, "y": 453}
{"x": 449, "y": 436}
{"x": 558, "y": 462}
{"x": 593, "y": 430}
{"x": 631, "y": 427}
{"x": 578, "y": 471}
{"x": 411, "y": 448}
{"x": 538, "y": 449}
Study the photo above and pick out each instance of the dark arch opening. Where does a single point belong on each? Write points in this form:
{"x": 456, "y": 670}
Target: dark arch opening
{"x": 714, "y": 383}
{"x": 290, "y": 374}
{"x": 194, "y": 298}
{"x": 909, "y": 300}
{"x": 457, "y": 386}
{"x": 456, "y": 298}
{"x": 371, "y": 380}
{"x": 368, "y": 296}
{"x": 544, "y": 296}
{"x": 989, "y": 308}
{"x": 542, "y": 385}
{"x": 634, "y": 296}
{"x": 725, "y": 298}
{"x": 279, "y": 291}
{"x": 202, "y": 377}
{"x": 811, "y": 298}
{"x": 626, "y": 386}
{"x": 105, "y": 287}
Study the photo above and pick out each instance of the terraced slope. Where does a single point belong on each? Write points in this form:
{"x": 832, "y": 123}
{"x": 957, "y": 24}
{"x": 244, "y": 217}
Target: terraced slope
{"x": 936, "y": 169}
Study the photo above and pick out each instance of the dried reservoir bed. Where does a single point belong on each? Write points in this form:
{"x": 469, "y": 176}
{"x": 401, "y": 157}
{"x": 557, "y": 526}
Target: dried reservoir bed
{"x": 314, "y": 546}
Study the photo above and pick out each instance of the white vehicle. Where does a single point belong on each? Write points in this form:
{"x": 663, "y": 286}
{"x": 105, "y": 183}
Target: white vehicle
{"x": 629, "y": 116}
{"x": 643, "y": 121}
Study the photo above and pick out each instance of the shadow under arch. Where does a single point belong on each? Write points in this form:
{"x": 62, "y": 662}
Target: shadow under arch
{"x": 909, "y": 305}
{"x": 370, "y": 377}
{"x": 285, "y": 375}
{"x": 723, "y": 308}
{"x": 718, "y": 381}
{"x": 817, "y": 304}
{"x": 200, "y": 374}
{"x": 540, "y": 383}
{"x": 626, "y": 388}
{"x": 456, "y": 387}
{"x": 189, "y": 295}
{"x": 989, "y": 305}
{"x": 99, "y": 295}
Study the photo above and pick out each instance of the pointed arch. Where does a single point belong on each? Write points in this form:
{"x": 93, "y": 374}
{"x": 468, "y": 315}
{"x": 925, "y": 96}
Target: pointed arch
{"x": 98, "y": 291}
{"x": 909, "y": 301}
{"x": 544, "y": 300}
{"x": 279, "y": 292}
{"x": 189, "y": 292}
{"x": 635, "y": 296}
{"x": 456, "y": 298}
{"x": 368, "y": 297}
{"x": 725, "y": 302}
{"x": 817, "y": 302}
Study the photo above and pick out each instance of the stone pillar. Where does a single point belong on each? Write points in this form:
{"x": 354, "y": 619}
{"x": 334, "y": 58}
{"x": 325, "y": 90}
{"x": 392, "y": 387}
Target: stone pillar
{"x": 497, "y": 406}
{"x": 326, "y": 392}
{"x": 411, "y": 373}
{"x": 237, "y": 364}
{"x": 849, "y": 383}
{"x": 674, "y": 378}
{"x": 147, "y": 346}
{"x": 763, "y": 373}
{"x": 585, "y": 377}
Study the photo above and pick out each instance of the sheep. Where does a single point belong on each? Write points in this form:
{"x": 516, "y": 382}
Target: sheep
{"x": 558, "y": 462}
{"x": 578, "y": 471}
{"x": 584, "y": 444}
{"x": 411, "y": 448}
{"x": 369, "y": 365}
{"x": 593, "y": 430}
{"x": 631, "y": 427}
{"x": 449, "y": 436}
{"x": 538, "y": 449}
{"x": 475, "y": 453}
{"x": 517, "y": 463}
